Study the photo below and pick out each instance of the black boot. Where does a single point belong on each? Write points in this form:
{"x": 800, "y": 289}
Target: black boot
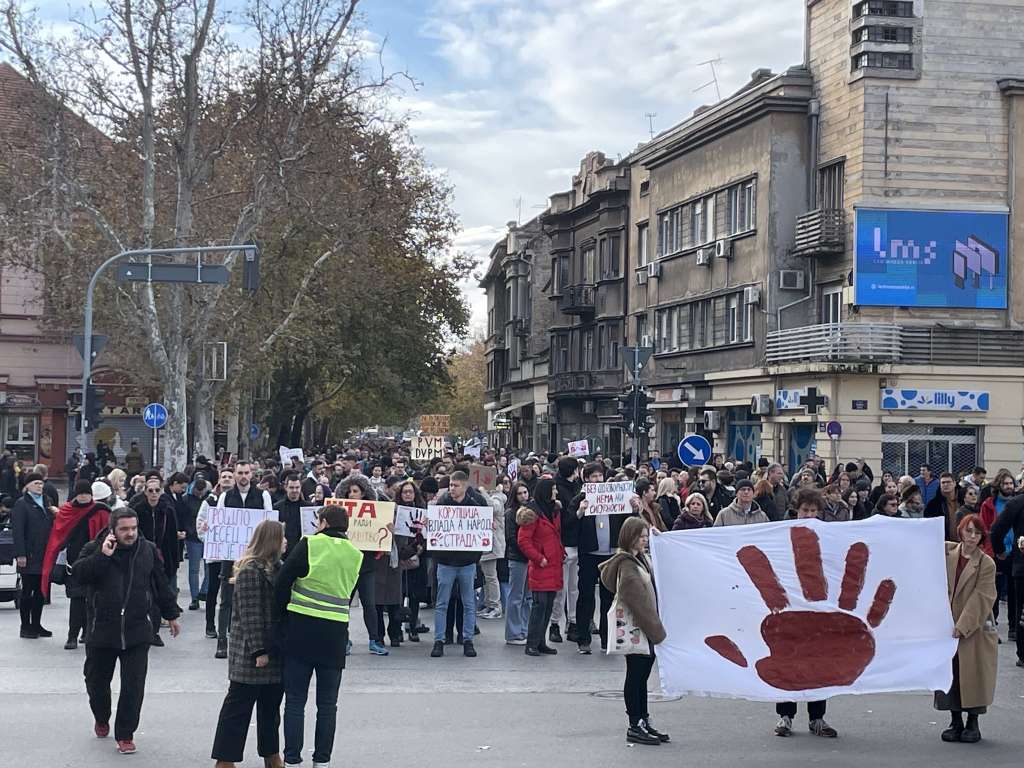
{"x": 956, "y": 727}
{"x": 637, "y": 734}
{"x": 554, "y": 634}
{"x": 222, "y": 648}
{"x": 971, "y": 733}
{"x": 570, "y": 633}
{"x": 646, "y": 724}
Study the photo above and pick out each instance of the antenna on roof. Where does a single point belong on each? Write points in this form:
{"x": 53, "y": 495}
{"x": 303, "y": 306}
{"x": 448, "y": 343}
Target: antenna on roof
{"x": 518, "y": 203}
{"x": 714, "y": 76}
{"x": 650, "y": 121}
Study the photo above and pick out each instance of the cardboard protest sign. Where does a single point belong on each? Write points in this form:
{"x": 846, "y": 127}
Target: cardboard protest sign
{"x": 608, "y": 498}
{"x": 435, "y": 423}
{"x": 287, "y": 453}
{"x": 309, "y": 518}
{"x": 427, "y": 448}
{"x": 229, "y": 530}
{"x": 459, "y": 529}
{"x": 368, "y": 522}
{"x": 579, "y": 448}
{"x": 409, "y": 520}
{"x": 481, "y": 476}
{"x": 804, "y": 610}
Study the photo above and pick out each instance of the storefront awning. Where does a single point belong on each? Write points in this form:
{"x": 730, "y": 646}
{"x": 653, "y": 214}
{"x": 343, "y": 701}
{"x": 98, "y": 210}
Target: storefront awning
{"x": 508, "y": 409}
{"x": 734, "y": 402}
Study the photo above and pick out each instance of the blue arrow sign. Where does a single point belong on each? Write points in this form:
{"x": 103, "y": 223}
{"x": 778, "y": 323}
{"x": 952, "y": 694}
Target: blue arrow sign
{"x": 694, "y": 449}
{"x": 155, "y": 415}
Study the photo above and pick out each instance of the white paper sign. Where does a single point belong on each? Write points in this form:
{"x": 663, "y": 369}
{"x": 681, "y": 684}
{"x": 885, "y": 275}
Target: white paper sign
{"x": 287, "y": 454}
{"x": 309, "y": 519}
{"x": 804, "y": 610}
{"x": 608, "y": 498}
{"x": 472, "y": 450}
{"x": 459, "y": 529}
{"x": 513, "y": 470}
{"x": 579, "y": 448}
{"x": 427, "y": 447}
{"x": 230, "y": 530}
{"x": 409, "y": 520}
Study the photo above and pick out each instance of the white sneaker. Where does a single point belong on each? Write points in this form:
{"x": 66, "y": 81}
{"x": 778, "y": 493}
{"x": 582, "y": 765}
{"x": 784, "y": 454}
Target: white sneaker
{"x": 517, "y": 641}
{"x": 492, "y": 613}
{"x": 321, "y": 765}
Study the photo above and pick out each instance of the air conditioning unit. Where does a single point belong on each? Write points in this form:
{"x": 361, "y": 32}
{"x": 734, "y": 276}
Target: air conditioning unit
{"x": 641, "y": 276}
{"x": 712, "y": 421}
{"x": 761, "y": 405}
{"x": 723, "y": 249}
{"x": 848, "y": 298}
{"x": 791, "y": 279}
{"x": 752, "y": 294}
{"x": 654, "y": 269}
{"x": 704, "y": 257}
{"x": 645, "y": 340}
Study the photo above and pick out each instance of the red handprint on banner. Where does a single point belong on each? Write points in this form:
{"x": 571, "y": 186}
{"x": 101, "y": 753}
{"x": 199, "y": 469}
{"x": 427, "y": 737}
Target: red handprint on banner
{"x": 811, "y": 649}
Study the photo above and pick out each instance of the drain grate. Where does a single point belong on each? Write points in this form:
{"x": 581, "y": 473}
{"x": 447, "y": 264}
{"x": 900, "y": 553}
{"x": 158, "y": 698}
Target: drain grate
{"x": 653, "y": 698}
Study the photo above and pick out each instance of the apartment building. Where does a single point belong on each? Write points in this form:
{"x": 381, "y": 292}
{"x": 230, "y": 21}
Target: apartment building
{"x": 587, "y": 226}
{"x": 516, "y": 347}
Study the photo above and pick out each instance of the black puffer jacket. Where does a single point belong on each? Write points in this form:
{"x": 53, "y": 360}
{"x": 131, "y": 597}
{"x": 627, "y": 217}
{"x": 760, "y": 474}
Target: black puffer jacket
{"x": 512, "y": 550}
{"x": 120, "y": 590}
{"x": 32, "y": 525}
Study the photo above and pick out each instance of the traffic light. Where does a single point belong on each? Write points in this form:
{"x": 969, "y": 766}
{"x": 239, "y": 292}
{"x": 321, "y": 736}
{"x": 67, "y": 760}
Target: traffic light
{"x": 92, "y": 407}
{"x": 643, "y": 418}
{"x": 633, "y": 410}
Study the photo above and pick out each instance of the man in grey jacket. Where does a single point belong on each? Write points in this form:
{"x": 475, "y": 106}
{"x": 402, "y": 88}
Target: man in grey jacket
{"x": 743, "y": 510}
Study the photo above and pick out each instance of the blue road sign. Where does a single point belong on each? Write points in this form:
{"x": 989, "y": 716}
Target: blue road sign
{"x": 155, "y": 415}
{"x": 834, "y": 429}
{"x": 694, "y": 449}
{"x": 254, "y": 431}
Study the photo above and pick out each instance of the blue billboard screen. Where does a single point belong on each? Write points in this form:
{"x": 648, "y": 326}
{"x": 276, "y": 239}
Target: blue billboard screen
{"x": 931, "y": 258}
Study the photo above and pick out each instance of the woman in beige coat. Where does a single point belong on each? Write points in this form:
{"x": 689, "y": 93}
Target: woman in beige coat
{"x": 971, "y": 579}
{"x": 628, "y": 574}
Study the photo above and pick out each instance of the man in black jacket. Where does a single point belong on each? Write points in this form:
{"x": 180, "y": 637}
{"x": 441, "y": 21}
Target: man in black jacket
{"x": 289, "y": 510}
{"x": 32, "y": 518}
{"x": 1012, "y": 519}
{"x": 714, "y": 492}
{"x": 122, "y": 576}
{"x": 568, "y": 484}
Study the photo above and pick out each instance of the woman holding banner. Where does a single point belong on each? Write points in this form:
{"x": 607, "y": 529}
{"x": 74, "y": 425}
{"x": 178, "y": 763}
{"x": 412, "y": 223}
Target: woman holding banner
{"x": 414, "y": 563}
{"x": 971, "y": 578}
{"x": 254, "y": 664}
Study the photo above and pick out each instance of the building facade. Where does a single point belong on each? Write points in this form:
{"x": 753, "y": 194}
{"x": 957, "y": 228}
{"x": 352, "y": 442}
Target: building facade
{"x": 588, "y": 229}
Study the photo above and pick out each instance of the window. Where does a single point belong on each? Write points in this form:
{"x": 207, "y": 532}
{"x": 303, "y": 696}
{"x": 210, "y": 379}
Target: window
{"x": 602, "y": 341}
{"x": 883, "y": 60}
{"x": 587, "y": 351}
{"x": 747, "y": 322}
{"x": 669, "y": 231}
{"x": 732, "y": 319}
{"x": 608, "y": 257}
{"x": 900, "y": 9}
{"x": 700, "y": 324}
{"x": 561, "y": 353}
{"x": 831, "y": 179}
{"x": 832, "y": 304}
{"x": 614, "y": 341}
{"x": 587, "y": 265}
{"x": 668, "y": 329}
{"x": 905, "y": 447}
{"x": 884, "y": 35}
{"x": 490, "y": 321}
{"x": 702, "y": 220}
{"x": 20, "y": 437}
{"x": 741, "y": 207}
{"x": 642, "y": 256}
{"x": 641, "y": 331}
{"x": 645, "y": 188}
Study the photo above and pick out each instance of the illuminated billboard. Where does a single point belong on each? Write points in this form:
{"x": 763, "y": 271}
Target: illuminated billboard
{"x": 930, "y": 258}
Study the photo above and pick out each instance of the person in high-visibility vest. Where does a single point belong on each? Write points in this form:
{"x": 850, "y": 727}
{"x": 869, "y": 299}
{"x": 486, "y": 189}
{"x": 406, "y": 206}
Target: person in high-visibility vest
{"x": 313, "y": 588}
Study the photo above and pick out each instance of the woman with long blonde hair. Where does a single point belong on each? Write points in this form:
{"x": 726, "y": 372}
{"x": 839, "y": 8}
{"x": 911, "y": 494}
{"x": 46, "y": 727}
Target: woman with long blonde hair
{"x": 254, "y": 663}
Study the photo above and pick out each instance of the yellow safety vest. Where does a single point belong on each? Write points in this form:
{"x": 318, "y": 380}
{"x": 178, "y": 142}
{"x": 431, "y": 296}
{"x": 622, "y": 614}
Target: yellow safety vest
{"x": 333, "y": 573}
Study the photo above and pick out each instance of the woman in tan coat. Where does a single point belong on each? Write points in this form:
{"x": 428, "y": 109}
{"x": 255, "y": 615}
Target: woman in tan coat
{"x": 971, "y": 579}
{"x": 628, "y": 574}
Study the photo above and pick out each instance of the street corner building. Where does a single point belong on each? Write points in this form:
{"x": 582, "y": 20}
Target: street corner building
{"x": 821, "y": 262}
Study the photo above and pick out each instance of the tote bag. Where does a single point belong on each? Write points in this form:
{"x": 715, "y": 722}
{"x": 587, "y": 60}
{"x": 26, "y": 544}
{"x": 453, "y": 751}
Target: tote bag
{"x": 625, "y": 636}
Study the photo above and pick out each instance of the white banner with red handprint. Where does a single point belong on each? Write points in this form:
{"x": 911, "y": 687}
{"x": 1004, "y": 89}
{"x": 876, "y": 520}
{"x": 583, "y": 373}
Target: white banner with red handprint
{"x": 803, "y": 610}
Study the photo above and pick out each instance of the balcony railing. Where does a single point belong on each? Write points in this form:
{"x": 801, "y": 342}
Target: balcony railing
{"x": 835, "y": 342}
{"x": 577, "y": 300}
{"x": 820, "y": 232}
{"x": 585, "y": 382}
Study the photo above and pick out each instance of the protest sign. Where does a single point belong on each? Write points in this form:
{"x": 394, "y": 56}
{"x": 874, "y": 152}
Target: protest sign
{"x": 435, "y": 423}
{"x": 513, "y": 470}
{"x": 482, "y": 476}
{"x": 308, "y": 520}
{"x": 472, "y": 450}
{"x": 459, "y": 529}
{"x": 229, "y": 530}
{"x": 427, "y": 448}
{"x": 287, "y": 453}
{"x": 804, "y": 610}
{"x": 608, "y": 498}
{"x": 368, "y": 522}
{"x": 409, "y": 520}
{"x": 579, "y": 448}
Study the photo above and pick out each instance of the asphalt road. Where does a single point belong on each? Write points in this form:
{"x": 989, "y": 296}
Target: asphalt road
{"x": 500, "y": 709}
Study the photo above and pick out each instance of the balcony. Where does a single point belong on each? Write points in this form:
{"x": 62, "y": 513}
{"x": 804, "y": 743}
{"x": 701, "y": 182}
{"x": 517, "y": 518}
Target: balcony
{"x": 820, "y": 233}
{"x": 855, "y": 343}
{"x": 585, "y": 383}
{"x": 577, "y": 300}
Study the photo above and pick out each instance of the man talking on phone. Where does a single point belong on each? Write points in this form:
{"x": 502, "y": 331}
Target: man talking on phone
{"x": 122, "y": 575}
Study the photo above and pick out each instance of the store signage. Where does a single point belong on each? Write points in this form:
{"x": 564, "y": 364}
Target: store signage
{"x": 808, "y": 400}
{"x": 893, "y": 399}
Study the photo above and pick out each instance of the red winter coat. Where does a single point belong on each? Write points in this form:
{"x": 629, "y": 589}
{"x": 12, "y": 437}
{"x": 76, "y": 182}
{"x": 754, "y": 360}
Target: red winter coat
{"x": 540, "y": 538}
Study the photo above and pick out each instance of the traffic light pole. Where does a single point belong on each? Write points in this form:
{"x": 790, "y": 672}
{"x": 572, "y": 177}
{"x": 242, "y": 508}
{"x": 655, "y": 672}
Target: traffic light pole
{"x": 87, "y": 341}
{"x": 636, "y": 410}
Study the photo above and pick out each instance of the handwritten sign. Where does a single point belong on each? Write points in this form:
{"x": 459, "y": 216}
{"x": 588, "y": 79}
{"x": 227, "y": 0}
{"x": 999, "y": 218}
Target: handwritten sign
{"x": 608, "y": 498}
{"x": 230, "y": 530}
{"x": 459, "y": 529}
{"x": 482, "y": 476}
{"x": 368, "y": 522}
{"x": 579, "y": 448}
{"x": 409, "y": 520}
{"x": 308, "y": 519}
{"x": 513, "y": 470}
{"x": 435, "y": 423}
{"x": 287, "y": 454}
{"x": 472, "y": 450}
{"x": 427, "y": 448}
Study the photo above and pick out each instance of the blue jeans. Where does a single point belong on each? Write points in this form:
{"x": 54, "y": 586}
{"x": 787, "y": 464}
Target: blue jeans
{"x": 517, "y": 611}
{"x": 297, "y": 674}
{"x": 447, "y": 576}
{"x": 194, "y": 553}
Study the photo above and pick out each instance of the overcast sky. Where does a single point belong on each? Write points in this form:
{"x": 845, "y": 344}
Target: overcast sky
{"x": 515, "y": 92}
